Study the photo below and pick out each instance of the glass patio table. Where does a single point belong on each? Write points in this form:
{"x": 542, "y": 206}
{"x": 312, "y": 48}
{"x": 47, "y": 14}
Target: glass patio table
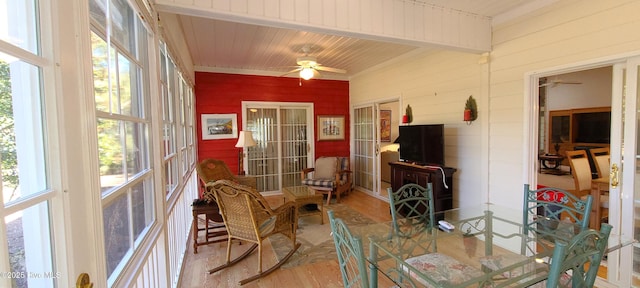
{"x": 487, "y": 248}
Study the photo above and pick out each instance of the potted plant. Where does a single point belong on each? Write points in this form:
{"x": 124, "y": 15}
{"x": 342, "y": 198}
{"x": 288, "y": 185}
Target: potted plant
{"x": 408, "y": 115}
{"x": 470, "y": 110}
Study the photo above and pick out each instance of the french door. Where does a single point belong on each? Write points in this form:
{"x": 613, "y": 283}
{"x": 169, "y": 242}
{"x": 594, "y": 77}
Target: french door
{"x": 623, "y": 264}
{"x": 625, "y": 172}
{"x": 364, "y": 148}
{"x": 284, "y": 142}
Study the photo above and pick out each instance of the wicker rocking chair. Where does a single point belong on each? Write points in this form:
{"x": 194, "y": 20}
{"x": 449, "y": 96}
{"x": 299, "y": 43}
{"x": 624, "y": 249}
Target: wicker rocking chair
{"x": 210, "y": 170}
{"x": 248, "y": 217}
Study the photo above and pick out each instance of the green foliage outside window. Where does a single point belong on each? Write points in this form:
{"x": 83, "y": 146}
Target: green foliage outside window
{"x": 109, "y": 144}
{"x": 8, "y": 155}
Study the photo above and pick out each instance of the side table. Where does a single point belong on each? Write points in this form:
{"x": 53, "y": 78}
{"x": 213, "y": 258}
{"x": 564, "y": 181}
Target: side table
{"x": 214, "y": 228}
{"x": 307, "y": 200}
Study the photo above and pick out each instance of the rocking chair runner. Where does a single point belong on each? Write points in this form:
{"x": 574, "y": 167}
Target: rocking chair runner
{"x": 248, "y": 217}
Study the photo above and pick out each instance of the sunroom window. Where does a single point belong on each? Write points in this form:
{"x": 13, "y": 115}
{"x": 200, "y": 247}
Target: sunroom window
{"x": 25, "y": 190}
{"x": 121, "y": 93}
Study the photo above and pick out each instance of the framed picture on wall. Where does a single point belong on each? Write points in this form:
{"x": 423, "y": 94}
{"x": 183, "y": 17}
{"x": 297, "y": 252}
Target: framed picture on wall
{"x": 219, "y": 126}
{"x": 385, "y": 125}
{"x": 330, "y": 127}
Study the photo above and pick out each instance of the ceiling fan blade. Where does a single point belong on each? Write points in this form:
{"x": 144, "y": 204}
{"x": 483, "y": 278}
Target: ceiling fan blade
{"x": 329, "y": 69}
{"x": 292, "y": 71}
{"x": 555, "y": 83}
{"x": 316, "y": 74}
{"x": 568, "y": 82}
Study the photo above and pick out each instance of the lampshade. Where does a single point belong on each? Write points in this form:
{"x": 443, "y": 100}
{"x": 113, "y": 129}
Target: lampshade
{"x": 245, "y": 140}
{"x": 306, "y": 73}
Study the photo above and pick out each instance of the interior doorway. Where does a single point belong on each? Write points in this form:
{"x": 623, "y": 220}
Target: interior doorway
{"x": 622, "y": 86}
{"x": 375, "y": 129}
{"x": 574, "y": 113}
{"x": 389, "y": 115}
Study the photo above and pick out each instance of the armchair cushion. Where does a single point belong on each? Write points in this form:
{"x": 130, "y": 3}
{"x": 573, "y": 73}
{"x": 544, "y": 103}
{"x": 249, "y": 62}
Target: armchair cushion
{"x": 330, "y": 175}
{"x": 328, "y": 183}
{"x": 325, "y": 168}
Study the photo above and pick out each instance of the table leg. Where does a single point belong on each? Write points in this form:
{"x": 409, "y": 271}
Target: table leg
{"x": 195, "y": 232}
{"x": 373, "y": 252}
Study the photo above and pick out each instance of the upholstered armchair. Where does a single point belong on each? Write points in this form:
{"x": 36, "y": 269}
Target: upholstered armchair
{"x": 331, "y": 176}
{"x": 210, "y": 170}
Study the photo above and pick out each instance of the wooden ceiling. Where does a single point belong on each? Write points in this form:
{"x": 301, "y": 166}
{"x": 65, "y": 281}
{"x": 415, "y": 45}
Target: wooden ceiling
{"x": 220, "y": 45}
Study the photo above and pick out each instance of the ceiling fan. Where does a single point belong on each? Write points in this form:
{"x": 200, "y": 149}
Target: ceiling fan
{"x": 556, "y": 82}
{"x": 309, "y": 67}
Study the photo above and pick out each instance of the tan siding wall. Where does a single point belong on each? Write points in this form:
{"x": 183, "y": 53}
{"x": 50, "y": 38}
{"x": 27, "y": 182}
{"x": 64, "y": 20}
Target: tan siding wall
{"x": 565, "y": 33}
{"x": 436, "y": 85}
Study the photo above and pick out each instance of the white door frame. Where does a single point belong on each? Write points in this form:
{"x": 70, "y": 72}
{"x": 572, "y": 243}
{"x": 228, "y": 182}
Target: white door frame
{"x": 620, "y": 274}
{"x": 376, "y": 145}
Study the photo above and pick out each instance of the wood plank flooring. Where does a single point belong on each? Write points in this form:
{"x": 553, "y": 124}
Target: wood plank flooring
{"x": 322, "y": 274}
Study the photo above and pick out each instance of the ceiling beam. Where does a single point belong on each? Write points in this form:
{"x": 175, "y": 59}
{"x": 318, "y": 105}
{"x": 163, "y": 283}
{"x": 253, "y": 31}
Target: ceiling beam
{"x": 397, "y": 21}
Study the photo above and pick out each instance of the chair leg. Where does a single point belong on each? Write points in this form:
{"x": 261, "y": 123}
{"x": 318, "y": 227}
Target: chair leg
{"x": 329, "y": 198}
{"x": 260, "y": 258}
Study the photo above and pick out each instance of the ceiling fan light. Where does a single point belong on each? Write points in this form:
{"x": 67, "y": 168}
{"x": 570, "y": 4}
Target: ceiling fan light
{"x": 306, "y": 73}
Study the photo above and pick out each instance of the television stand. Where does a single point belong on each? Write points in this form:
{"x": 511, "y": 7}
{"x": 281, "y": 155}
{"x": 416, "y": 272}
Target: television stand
{"x": 441, "y": 179}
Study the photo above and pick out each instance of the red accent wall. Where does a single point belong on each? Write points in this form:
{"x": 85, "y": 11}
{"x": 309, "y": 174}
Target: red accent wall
{"x": 220, "y": 93}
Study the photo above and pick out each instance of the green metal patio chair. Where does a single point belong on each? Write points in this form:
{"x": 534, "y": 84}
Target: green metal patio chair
{"x": 412, "y": 208}
{"x": 586, "y": 248}
{"x": 549, "y": 214}
{"x": 351, "y": 257}
{"x": 412, "y": 211}
{"x": 543, "y": 208}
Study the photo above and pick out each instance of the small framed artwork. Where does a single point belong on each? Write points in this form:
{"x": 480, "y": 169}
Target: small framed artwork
{"x": 330, "y": 128}
{"x": 385, "y": 125}
{"x": 219, "y": 126}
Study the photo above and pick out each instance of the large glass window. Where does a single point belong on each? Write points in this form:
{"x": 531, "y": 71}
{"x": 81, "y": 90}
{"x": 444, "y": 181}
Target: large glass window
{"x": 120, "y": 74}
{"x": 167, "y": 79}
{"x": 177, "y": 118}
{"x": 25, "y": 190}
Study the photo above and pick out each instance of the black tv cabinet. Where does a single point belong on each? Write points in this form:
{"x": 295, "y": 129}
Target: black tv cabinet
{"x": 403, "y": 173}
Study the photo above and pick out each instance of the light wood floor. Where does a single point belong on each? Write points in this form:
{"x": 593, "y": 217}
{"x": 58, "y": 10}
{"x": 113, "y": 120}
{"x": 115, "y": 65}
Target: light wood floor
{"x": 323, "y": 274}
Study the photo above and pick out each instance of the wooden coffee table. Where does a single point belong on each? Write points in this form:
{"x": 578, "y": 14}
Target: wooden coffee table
{"x": 305, "y": 198}
{"x": 549, "y": 163}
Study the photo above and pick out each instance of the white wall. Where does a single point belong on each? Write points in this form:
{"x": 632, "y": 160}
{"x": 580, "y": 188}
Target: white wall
{"x": 565, "y": 33}
{"x": 436, "y": 84}
{"x": 594, "y": 90}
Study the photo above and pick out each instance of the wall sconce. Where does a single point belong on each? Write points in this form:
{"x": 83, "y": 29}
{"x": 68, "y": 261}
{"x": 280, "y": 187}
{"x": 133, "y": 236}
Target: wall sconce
{"x": 470, "y": 110}
{"x": 306, "y": 73}
{"x": 245, "y": 140}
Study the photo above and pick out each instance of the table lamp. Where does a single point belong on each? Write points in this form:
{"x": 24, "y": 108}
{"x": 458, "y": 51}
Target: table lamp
{"x": 245, "y": 140}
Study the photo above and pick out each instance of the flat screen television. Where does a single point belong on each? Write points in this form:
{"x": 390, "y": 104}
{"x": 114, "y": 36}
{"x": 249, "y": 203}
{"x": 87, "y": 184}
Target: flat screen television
{"x": 422, "y": 144}
{"x": 593, "y": 127}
